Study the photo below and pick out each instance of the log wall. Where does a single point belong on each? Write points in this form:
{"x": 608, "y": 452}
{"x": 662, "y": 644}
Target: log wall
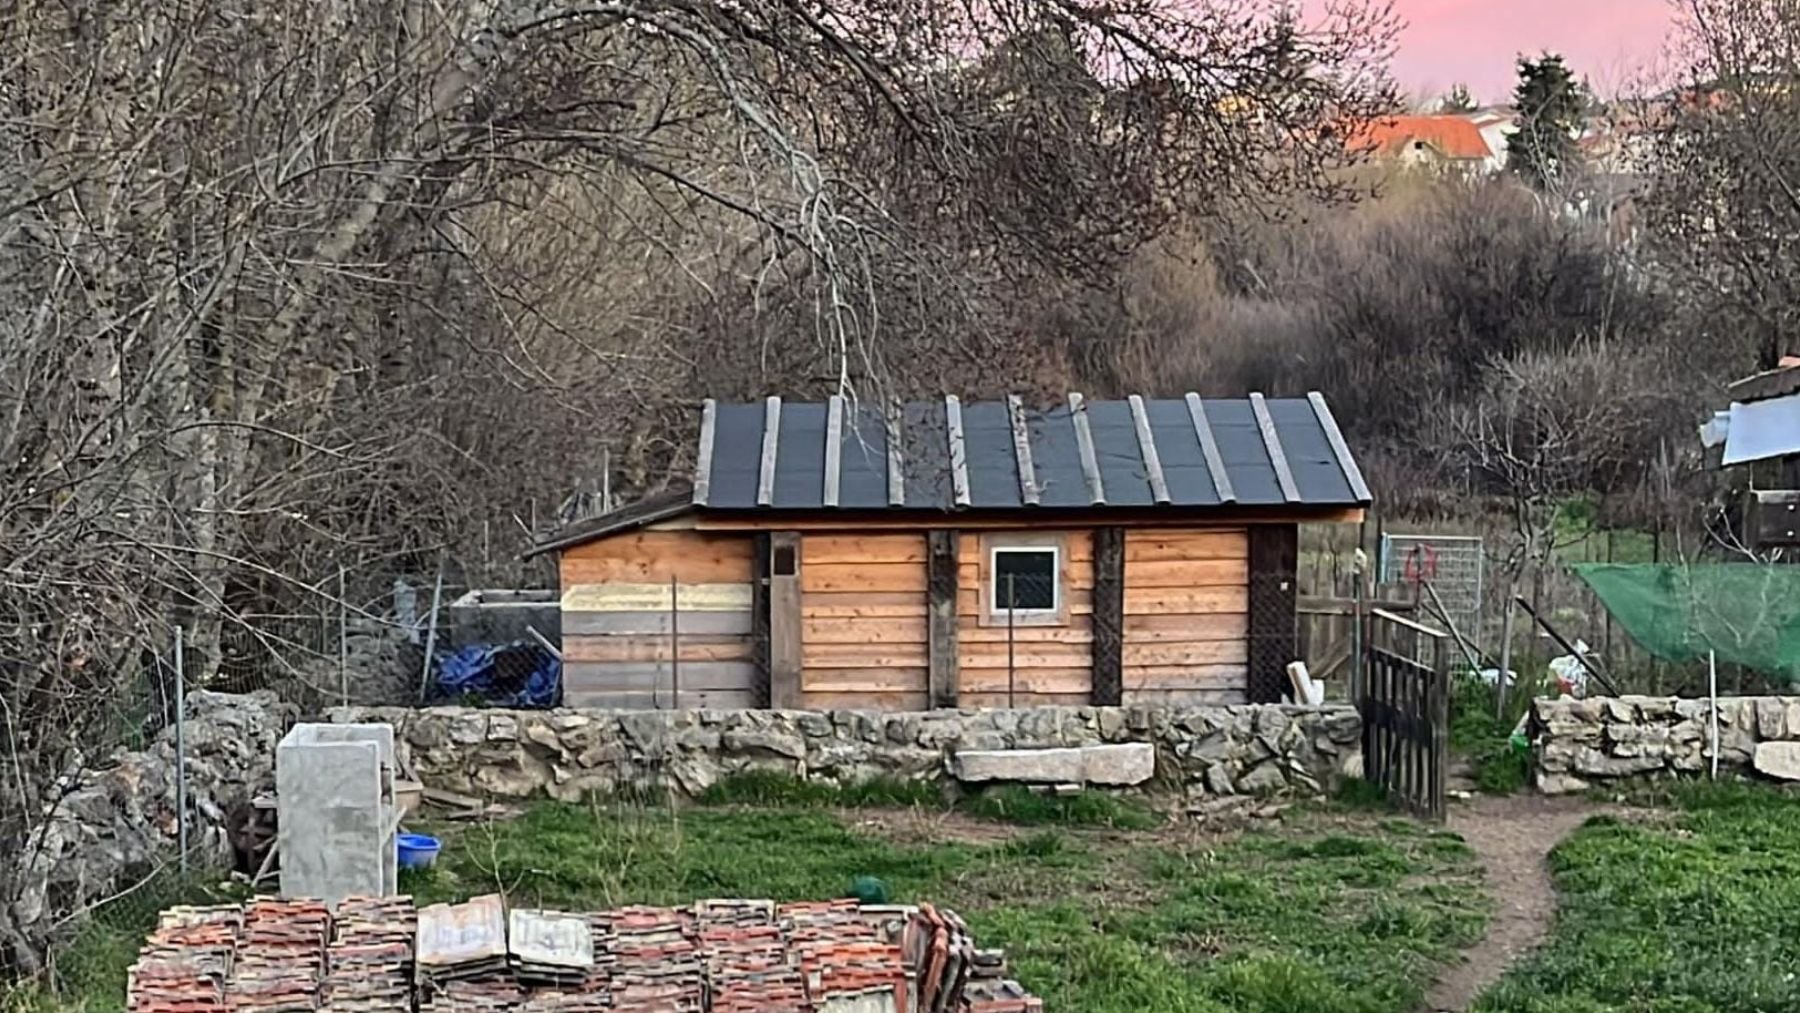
{"x": 863, "y": 635}
{"x": 864, "y": 630}
{"x": 1052, "y": 664}
{"x": 659, "y": 619}
{"x": 1186, "y": 636}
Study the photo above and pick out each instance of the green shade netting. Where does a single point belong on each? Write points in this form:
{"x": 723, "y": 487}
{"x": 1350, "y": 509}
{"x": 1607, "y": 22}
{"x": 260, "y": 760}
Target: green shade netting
{"x": 1747, "y": 613}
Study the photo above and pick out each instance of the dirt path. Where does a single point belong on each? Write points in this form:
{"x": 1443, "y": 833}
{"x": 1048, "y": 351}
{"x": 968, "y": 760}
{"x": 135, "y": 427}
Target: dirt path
{"x": 1513, "y": 837}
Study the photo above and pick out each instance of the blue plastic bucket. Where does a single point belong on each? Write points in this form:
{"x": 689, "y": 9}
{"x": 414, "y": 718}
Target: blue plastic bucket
{"x": 418, "y": 851}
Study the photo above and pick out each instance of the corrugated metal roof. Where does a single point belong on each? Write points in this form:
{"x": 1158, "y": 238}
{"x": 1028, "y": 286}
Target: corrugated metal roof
{"x": 1001, "y": 455}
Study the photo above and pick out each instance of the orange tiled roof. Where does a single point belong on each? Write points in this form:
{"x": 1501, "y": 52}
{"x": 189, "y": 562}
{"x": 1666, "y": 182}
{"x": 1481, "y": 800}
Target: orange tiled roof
{"x": 1453, "y": 136}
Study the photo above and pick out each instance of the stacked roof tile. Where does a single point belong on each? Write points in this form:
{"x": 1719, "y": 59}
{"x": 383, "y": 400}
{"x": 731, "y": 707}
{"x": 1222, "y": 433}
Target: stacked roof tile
{"x": 281, "y": 956}
{"x": 185, "y": 963}
{"x": 717, "y": 956}
{"x": 369, "y": 963}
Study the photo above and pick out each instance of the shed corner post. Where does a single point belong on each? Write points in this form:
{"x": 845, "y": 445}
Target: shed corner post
{"x": 1109, "y": 618}
{"x": 941, "y": 619}
{"x": 1274, "y": 603}
{"x": 759, "y": 616}
{"x": 784, "y": 620}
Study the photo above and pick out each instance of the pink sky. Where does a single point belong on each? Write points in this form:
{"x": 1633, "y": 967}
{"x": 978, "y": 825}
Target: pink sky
{"x": 1612, "y": 42}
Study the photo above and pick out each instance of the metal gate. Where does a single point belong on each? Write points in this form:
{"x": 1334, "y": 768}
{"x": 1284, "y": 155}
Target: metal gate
{"x": 1406, "y": 712}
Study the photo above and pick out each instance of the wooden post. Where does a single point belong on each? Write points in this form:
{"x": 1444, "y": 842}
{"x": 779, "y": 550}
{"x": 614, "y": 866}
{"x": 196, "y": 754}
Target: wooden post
{"x": 940, "y": 582}
{"x": 1440, "y": 732}
{"x": 1109, "y": 617}
{"x": 784, "y": 620}
{"x": 759, "y": 615}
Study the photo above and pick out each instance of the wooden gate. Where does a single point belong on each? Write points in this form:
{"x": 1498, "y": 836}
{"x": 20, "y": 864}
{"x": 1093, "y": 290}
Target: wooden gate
{"x": 1405, "y": 706}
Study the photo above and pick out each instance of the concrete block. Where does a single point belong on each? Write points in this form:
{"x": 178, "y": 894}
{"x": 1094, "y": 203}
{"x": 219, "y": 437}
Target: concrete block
{"x": 334, "y": 788}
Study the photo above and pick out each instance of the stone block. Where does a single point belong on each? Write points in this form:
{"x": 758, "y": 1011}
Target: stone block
{"x": 1218, "y": 780}
{"x": 1111, "y": 721}
{"x": 1116, "y": 765}
{"x": 1123, "y": 764}
{"x": 1264, "y": 779}
{"x": 1780, "y": 760}
{"x": 1559, "y": 784}
{"x": 756, "y": 740}
{"x": 1028, "y": 766}
{"x": 1771, "y": 718}
{"x": 1594, "y": 763}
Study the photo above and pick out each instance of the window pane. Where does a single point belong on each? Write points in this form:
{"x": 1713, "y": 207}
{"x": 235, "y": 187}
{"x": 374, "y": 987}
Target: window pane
{"x": 1030, "y": 574}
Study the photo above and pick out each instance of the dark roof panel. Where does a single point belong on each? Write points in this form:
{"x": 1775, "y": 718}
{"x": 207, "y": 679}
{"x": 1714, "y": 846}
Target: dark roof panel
{"x": 992, "y": 459}
{"x": 1317, "y": 473}
{"x": 1116, "y": 448}
{"x": 1056, "y": 457}
{"x": 737, "y": 456}
{"x": 1241, "y": 448}
{"x": 800, "y": 457}
{"x": 862, "y": 464}
{"x": 923, "y": 434}
{"x": 1183, "y": 462}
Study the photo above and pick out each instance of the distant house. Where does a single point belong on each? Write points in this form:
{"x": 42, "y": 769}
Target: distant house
{"x": 1760, "y": 432}
{"x": 1440, "y": 143}
{"x": 944, "y": 554}
{"x": 1496, "y": 126}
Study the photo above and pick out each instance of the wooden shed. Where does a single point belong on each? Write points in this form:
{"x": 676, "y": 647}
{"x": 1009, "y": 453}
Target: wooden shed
{"x": 942, "y": 554}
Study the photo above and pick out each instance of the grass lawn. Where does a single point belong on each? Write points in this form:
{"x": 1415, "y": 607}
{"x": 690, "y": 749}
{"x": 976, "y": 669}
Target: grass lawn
{"x": 1100, "y": 905}
{"x": 1335, "y": 913}
{"x": 1697, "y": 914}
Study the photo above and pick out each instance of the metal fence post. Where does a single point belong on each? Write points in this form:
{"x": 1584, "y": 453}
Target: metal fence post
{"x": 343, "y": 643}
{"x": 1012, "y": 607}
{"x": 674, "y": 646}
{"x": 181, "y": 813}
{"x": 437, "y": 593}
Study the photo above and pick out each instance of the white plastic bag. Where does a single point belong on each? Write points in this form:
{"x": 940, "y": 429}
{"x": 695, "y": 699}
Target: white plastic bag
{"x": 1570, "y": 672}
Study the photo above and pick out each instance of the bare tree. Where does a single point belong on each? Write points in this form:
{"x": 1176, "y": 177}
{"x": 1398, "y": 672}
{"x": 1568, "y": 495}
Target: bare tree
{"x": 293, "y": 286}
{"x": 1548, "y": 429}
{"x": 1725, "y": 201}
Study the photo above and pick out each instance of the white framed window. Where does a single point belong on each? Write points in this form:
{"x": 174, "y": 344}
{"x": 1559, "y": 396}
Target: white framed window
{"x": 1024, "y": 582}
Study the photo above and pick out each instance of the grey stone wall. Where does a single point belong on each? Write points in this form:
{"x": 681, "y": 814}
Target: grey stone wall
{"x": 117, "y": 820}
{"x": 1259, "y": 750}
{"x": 1577, "y": 744}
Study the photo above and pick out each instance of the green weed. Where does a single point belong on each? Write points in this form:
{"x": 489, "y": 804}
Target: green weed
{"x": 772, "y": 788}
{"x": 1016, "y": 804}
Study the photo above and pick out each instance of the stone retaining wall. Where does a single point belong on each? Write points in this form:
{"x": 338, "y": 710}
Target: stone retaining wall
{"x": 117, "y": 820}
{"x": 1255, "y": 750}
{"x": 1578, "y": 744}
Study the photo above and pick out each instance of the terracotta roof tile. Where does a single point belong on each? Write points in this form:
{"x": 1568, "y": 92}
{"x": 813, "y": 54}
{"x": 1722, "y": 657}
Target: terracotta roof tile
{"x": 1452, "y": 136}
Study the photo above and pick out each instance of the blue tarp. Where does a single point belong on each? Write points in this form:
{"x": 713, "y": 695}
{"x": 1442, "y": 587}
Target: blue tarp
{"x": 519, "y": 674}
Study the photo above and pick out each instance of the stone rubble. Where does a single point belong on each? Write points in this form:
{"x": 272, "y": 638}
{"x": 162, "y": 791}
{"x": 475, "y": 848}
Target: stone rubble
{"x": 717, "y": 956}
{"x": 118, "y": 818}
{"x": 1273, "y": 749}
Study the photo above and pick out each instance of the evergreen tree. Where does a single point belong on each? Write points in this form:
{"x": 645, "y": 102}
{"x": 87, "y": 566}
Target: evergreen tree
{"x": 1551, "y": 108}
